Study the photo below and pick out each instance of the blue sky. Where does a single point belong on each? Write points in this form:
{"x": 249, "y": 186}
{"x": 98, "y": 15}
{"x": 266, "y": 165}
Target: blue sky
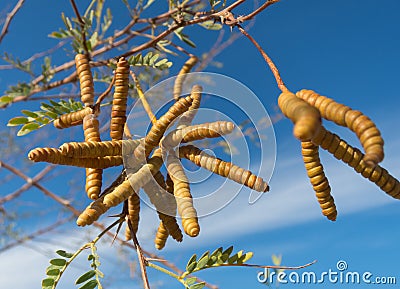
{"x": 348, "y": 51}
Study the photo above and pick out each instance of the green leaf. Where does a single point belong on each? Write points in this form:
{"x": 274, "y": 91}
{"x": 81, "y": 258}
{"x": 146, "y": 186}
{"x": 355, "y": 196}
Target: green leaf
{"x": 83, "y": 278}
{"x": 228, "y": 251}
{"x": 91, "y": 257}
{"x": 58, "y": 262}
{"x": 189, "y": 281}
{"x": 191, "y": 267}
{"x": 30, "y": 113}
{"x": 247, "y": 256}
{"x": 17, "y": 121}
{"x": 233, "y": 259}
{"x": 47, "y": 282}
{"x": 191, "y": 261}
{"x": 203, "y": 260}
{"x": 27, "y": 128}
{"x": 149, "y": 2}
{"x": 198, "y": 285}
{"x": 89, "y": 285}
{"x": 6, "y": 99}
{"x": 210, "y": 25}
{"x": 53, "y": 272}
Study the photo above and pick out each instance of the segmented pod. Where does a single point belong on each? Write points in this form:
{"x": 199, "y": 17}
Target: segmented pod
{"x": 318, "y": 180}
{"x": 72, "y": 118}
{"x": 85, "y": 79}
{"x": 55, "y": 156}
{"x": 135, "y": 181}
{"x": 180, "y": 78}
{"x": 196, "y": 132}
{"x": 354, "y": 158}
{"x": 365, "y": 129}
{"x": 133, "y": 215}
{"x": 183, "y": 196}
{"x": 161, "y": 236}
{"x": 187, "y": 118}
{"x": 92, "y": 212}
{"x": 306, "y": 118}
{"x": 158, "y": 129}
{"x": 94, "y": 177}
{"x": 118, "y": 110}
{"x": 222, "y": 168}
{"x": 92, "y": 149}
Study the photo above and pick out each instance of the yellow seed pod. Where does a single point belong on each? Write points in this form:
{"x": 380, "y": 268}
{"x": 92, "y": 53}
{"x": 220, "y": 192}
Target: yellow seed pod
{"x": 365, "y": 129}
{"x": 72, "y": 118}
{"x": 94, "y": 177}
{"x": 225, "y": 169}
{"x": 320, "y": 183}
{"x": 187, "y": 66}
{"x": 118, "y": 110}
{"x": 92, "y": 149}
{"x": 133, "y": 215}
{"x": 85, "y": 79}
{"x": 187, "y": 118}
{"x": 92, "y": 212}
{"x": 135, "y": 181}
{"x": 161, "y": 237}
{"x": 183, "y": 196}
{"x": 157, "y": 131}
{"x": 196, "y": 132}
{"x": 353, "y": 157}
{"x": 306, "y": 119}
{"x": 55, "y": 156}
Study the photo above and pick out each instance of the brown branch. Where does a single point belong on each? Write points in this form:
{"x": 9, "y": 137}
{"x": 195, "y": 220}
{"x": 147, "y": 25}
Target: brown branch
{"x": 267, "y": 59}
{"x": 82, "y": 25}
{"x": 9, "y": 18}
{"x": 25, "y": 187}
{"x": 258, "y": 10}
{"x": 39, "y": 232}
{"x": 106, "y": 92}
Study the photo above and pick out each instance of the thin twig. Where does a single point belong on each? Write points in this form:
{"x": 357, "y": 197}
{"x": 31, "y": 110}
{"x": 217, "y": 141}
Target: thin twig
{"x": 9, "y": 18}
{"x": 258, "y": 10}
{"x": 106, "y": 92}
{"x": 143, "y": 99}
{"x": 82, "y": 24}
{"x": 267, "y": 59}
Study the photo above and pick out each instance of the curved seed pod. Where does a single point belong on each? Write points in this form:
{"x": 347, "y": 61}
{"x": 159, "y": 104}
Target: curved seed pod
{"x": 133, "y": 215}
{"x": 183, "y": 197}
{"x": 354, "y": 158}
{"x": 134, "y": 181}
{"x": 54, "y": 156}
{"x": 92, "y": 212}
{"x": 365, "y": 129}
{"x": 161, "y": 237}
{"x": 196, "y": 132}
{"x": 85, "y": 79}
{"x": 306, "y": 119}
{"x": 222, "y": 168}
{"x": 187, "y": 118}
{"x": 94, "y": 177}
{"x": 165, "y": 205}
{"x": 187, "y": 66}
{"x": 318, "y": 180}
{"x": 118, "y": 110}
{"x": 158, "y": 129}
{"x": 72, "y": 118}
{"x": 92, "y": 149}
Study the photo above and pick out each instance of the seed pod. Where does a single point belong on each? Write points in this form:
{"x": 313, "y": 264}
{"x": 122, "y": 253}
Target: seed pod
{"x": 94, "y": 177}
{"x": 355, "y": 159}
{"x": 196, "y": 132}
{"x": 135, "y": 181}
{"x": 187, "y": 118}
{"x": 92, "y": 212}
{"x": 187, "y": 66}
{"x": 161, "y": 237}
{"x": 118, "y": 110}
{"x": 318, "y": 180}
{"x": 306, "y": 119}
{"x": 133, "y": 215}
{"x": 85, "y": 79}
{"x": 183, "y": 197}
{"x": 157, "y": 131}
{"x": 92, "y": 149}
{"x": 365, "y": 129}
{"x": 222, "y": 168}
{"x": 55, "y": 156}
{"x": 72, "y": 118}
{"x": 164, "y": 203}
